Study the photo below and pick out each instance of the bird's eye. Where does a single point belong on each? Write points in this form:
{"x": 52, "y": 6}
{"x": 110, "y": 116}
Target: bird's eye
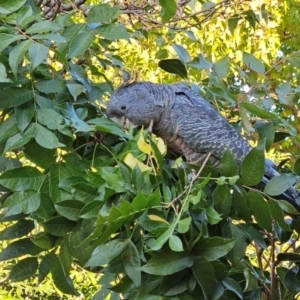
{"x": 123, "y": 107}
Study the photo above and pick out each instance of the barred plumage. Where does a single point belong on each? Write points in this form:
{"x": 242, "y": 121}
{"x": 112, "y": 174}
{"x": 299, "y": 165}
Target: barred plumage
{"x": 188, "y": 123}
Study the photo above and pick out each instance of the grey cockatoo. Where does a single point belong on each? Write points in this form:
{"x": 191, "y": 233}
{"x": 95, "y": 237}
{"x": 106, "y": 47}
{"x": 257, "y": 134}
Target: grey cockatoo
{"x": 188, "y": 124}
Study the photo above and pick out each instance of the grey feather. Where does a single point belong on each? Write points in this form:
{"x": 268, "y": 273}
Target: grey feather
{"x": 188, "y": 123}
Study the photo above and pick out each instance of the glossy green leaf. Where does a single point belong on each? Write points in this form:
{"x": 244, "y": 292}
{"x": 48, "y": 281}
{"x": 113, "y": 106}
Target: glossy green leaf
{"x": 168, "y": 262}
{"x": 175, "y": 243}
{"x": 174, "y": 66}
{"x": 44, "y": 240}
{"x": 46, "y": 265}
{"x": 213, "y": 248}
{"x": 105, "y": 253}
{"x": 51, "y": 86}
{"x": 8, "y": 128}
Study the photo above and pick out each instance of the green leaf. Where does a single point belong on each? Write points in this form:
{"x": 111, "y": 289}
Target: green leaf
{"x": 131, "y": 261}
{"x": 228, "y": 166}
{"x": 42, "y": 26}
{"x": 258, "y": 112}
{"x": 253, "y": 63}
{"x": 24, "y": 114}
{"x": 279, "y": 184}
{"x": 107, "y": 125}
{"x": 212, "y": 216}
{"x": 213, "y": 248}
{"x": 285, "y": 93}
{"x": 69, "y": 209}
{"x": 260, "y": 210}
{"x": 8, "y": 128}
{"x": 46, "y": 138}
{"x": 175, "y": 243}
{"x": 253, "y": 166}
{"x": 288, "y": 257}
{"x": 222, "y": 67}
{"x": 39, "y": 155}
{"x": 182, "y": 53}
{"x": 17, "y": 54}
{"x": 278, "y": 215}
{"x": 7, "y": 39}
{"x": 61, "y": 280}
{"x": 200, "y": 63}
{"x": 75, "y": 89}
{"x": 287, "y": 207}
{"x": 23, "y": 269}
{"x": 44, "y": 240}
{"x": 205, "y": 276}
{"x": 254, "y": 235}
{"x": 7, "y": 7}
{"x": 22, "y": 179}
{"x": 113, "y": 32}
{"x": 58, "y": 226}
{"x": 233, "y": 286}
{"x": 51, "y": 86}
{"x": 265, "y": 131}
{"x": 168, "y": 9}
{"x": 25, "y": 201}
{"x": 105, "y": 253}
{"x": 46, "y": 265}
{"x": 184, "y": 225}
{"x": 18, "y": 140}
{"x": 232, "y": 23}
{"x": 80, "y": 43}
{"x": 49, "y": 118}
{"x": 168, "y": 262}
{"x": 17, "y": 249}
{"x": 17, "y": 230}
{"x": 103, "y": 13}
{"x": 37, "y": 54}
{"x": 174, "y": 66}
{"x": 14, "y": 96}
{"x": 222, "y": 200}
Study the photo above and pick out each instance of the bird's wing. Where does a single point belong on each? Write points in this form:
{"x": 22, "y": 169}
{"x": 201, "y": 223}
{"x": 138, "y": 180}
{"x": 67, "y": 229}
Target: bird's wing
{"x": 203, "y": 128}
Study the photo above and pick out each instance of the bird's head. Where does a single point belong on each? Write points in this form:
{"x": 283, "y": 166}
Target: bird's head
{"x": 133, "y": 104}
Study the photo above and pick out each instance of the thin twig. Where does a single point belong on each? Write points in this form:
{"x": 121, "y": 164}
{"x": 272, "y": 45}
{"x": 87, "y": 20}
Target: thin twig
{"x": 192, "y": 181}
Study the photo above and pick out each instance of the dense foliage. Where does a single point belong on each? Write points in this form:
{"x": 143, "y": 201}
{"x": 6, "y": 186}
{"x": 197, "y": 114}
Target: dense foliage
{"x": 79, "y": 192}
